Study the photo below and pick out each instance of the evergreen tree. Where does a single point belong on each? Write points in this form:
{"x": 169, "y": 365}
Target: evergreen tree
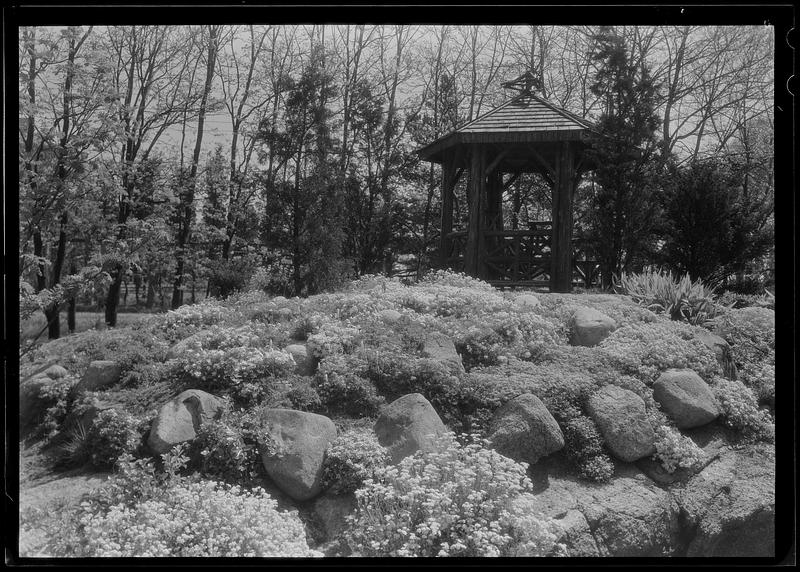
{"x": 622, "y": 210}
{"x": 306, "y": 210}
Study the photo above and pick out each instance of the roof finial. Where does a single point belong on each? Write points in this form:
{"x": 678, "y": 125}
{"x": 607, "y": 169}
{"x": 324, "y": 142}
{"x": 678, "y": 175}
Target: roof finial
{"x": 525, "y": 84}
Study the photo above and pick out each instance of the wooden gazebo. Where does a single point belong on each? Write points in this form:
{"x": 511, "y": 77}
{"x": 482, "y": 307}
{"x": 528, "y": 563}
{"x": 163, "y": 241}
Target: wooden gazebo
{"x": 524, "y": 135}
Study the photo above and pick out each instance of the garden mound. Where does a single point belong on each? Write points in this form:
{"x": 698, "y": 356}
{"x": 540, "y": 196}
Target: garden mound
{"x": 583, "y": 424}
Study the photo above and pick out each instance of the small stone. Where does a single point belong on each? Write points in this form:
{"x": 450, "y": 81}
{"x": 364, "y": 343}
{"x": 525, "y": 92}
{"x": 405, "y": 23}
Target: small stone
{"x": 390, "y": 316}
{"x": 686, "y": 398}
{"x": 590, "y": 327}
{"x": 100, "y": 374}
{"x": 524, "y": 430}
{"x": 306, "y": 364}
{"x": 179, "y": 419}
{"x": 621, "y": 418}
{"x": 526, "y": 301}
{"x": 408, "y": 424}
{"x": 56, "y": 372}
{"x": 441, "y": 348}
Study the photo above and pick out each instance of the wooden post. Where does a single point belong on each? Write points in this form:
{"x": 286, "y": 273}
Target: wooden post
{"x": 474, "y": 256}
{"x": 561, "y": 250}
{"x": 448, "y": 183}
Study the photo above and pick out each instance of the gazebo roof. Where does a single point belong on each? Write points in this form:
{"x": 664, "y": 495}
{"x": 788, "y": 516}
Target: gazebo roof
{"x": 526, "y": 118}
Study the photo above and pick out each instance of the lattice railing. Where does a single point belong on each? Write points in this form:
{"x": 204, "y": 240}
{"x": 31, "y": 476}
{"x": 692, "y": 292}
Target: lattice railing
{"x": 520, "y": 256}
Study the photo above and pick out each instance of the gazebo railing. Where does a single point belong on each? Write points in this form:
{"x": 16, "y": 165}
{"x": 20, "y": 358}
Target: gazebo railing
{"x": 520, "y": 257}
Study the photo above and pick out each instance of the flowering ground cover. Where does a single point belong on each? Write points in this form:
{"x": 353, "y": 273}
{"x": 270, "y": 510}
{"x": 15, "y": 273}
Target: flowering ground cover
{"x": 369, "y": 344}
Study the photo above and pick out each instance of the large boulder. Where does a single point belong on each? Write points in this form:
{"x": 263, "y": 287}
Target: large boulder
{"x": 524, "y": 430}
{"x": 628, "y": 516}
{"x": 439, "y": 347}
{"x": 306, "y": 364}
{"x": 589, "y": 327}
{"x": 686, "y": 398}
{"x": 179, "y": 420}
{"x": 721, "y": 350}
{"x": 622, "y": 420}
{"x": 408, "y": 424}
{"x": 294, "y": 448}
{"x": 730, "y": 505}
{"x": 100, "y": 374}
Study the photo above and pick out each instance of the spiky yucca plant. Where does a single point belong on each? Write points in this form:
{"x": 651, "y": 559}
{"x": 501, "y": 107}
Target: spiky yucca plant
{"x": 681, "y": 298}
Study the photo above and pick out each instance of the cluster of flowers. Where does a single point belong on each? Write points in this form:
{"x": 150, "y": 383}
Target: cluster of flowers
{"x": 648, "y": 350}
{"x": 457, "y": 280}
{"x": 352, "y": 458}
{"x": 675, "y": 451}
{"x": 458, "y": 499}
{"x": 333, "y": 338}
{"x": 740, "y": 409}
{"x": 219, "y": 451}
{"x": 223, "y": 358}
{"x": 354, "y": 305}
{"x": 185, "y": 320}
{"x": 761, "y": 379}
{"x": 141, "y": 512}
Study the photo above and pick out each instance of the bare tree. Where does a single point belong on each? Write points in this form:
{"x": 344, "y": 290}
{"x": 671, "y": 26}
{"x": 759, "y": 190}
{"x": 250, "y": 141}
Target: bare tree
{"x": 186, "y": 200}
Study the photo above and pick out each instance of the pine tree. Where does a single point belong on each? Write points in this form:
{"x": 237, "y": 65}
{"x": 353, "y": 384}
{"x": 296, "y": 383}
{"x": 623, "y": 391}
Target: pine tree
{"x": 621, "y": 210}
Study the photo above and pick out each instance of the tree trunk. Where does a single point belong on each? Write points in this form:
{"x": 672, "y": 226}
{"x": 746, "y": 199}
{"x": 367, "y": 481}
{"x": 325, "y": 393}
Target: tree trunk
{"x": 112, "y": 300}
{"x": 151, "y": 292}
{"x": 187, "y": 200}
{"x": 71, "y": 306}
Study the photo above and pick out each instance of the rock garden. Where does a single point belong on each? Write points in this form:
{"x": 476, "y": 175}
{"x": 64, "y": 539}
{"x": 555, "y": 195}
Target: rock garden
{"x": 444, "y": 418}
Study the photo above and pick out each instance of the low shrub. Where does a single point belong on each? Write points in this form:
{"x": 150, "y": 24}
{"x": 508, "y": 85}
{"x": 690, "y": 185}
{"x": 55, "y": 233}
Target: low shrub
{"x": 760, "y": 378}
{"x": 648, "y": 350}
{"x": 54, "y": 398}
{"x": 563, "y": 391}
{"x": 740, "y": 410}
{"x": 461, "y": 499}
{"x": 348, "y": 394}
{"x": 583, "y": 447}
{"x": 351, "y": 459}
{"x": 395, "y": 375}
{"x": 131, "y": 348}
{"x": 112, "y": 434}
{"x": 220, "y": 452}
{"x": 189, "y": 319}
{"x": 224, "y": 361}
{"x": 297, "y": 392}
{"x": 479, "y": 346}
{"x": 750, "y": 333}
{"x": 559, "y": 308}
{"x": 333, "y": 339}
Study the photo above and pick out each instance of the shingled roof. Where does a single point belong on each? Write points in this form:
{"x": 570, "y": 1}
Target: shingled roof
{"x": 525, "y": 118}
